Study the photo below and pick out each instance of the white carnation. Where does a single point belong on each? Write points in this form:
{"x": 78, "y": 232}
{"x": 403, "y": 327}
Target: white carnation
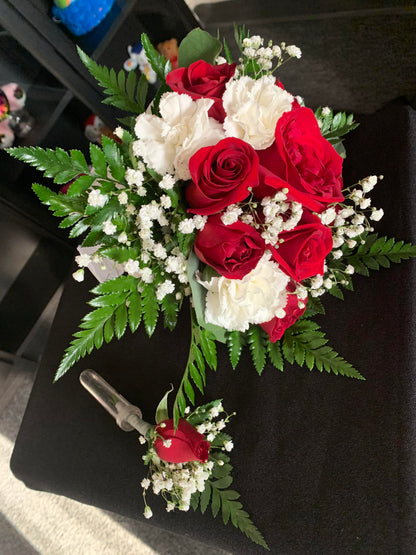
{"x": 167, "y": 143}
{"x": 253, "y": 107}
{"x": 260, "y": 295}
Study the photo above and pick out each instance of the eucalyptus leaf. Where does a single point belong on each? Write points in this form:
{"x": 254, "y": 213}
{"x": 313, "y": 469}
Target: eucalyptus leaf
{"x": 198, "y": 45}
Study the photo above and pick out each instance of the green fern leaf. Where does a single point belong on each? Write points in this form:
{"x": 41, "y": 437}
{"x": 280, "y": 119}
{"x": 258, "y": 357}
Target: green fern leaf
{"x": 205, "y": 497}
{"x": 120, "y": 322}
{"x": 80, "y": 185}
{"x": 109, "y": 330}
{"x": 196, "y": 377}
{"x": 113, "y": 157}
{"x": 56, "y": 164}
{"x": 257, "y": 342}
{"x": 309, "y": 347}
{"x": 227, "y": 501}
{"x": 170, "y": 307}
{"x": 134, "y": 311}
{"x": 120, "y": 253}
{"x": 85, "y": 339}
{"x": 209, "y": 348}
{"x": 156, "y": 60}
{"x": 235, "y": 343}
{"x": 380, "y": 251}
{"x": 274, "y": 350}
{"x": 150, "y": 309}
{"x": 189, "y": 391}
{"x": 119, "y": 93}
{"x": 98, "y": 160}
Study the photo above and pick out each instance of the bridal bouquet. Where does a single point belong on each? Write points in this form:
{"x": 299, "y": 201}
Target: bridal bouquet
{"x": 227, "y": 190}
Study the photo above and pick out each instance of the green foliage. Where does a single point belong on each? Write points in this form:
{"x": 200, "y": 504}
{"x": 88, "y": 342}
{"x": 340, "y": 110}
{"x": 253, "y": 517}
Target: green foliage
{"x": 126, "y": 94}
{"x": 57, "y": 164}
{"x": 226, "y": 501}
{"x": 198, "y": 45}
{"x": 159, "y": 64}
{"x": 235, "y": 344}
{"x": 304, "y": 343}
{"x": 60, "y": 205}
{"x": 108, "y": 318}
{"x": 257, "y": 341}
{"x": 162, "y": 408}
{"x": 336, "y": 125}
{"x": 113, "y": 158}
{"x": 150, "y": 309}
{"x": 274, "y": 350}
{"x": 379, "y": 252}
{"x": 170, "y": 307}
{"x": 202, "y": 353}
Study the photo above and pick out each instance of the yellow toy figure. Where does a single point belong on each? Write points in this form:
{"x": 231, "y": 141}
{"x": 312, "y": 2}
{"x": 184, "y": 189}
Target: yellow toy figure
{"x": 169, "y": 49}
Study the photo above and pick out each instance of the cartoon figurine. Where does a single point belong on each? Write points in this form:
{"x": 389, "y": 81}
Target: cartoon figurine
{"x": 94, "y": 128}
{"x": 15, "y": 95}
{"x": 14, "y": 118}
{"x": 169, "y": 50}
{"x": 137, "y": 58}
{"x": 6, "y": 134}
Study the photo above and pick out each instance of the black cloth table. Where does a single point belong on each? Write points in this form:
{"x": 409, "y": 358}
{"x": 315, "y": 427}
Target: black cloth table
{"x": 324, "y": 464}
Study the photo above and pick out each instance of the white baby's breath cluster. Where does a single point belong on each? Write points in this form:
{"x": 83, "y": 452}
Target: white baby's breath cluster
{"x": 266, "y": 58}
{"x": 279, "y": 215}
{"x": 349, "y": 221}
{"x": 177, "y": 482}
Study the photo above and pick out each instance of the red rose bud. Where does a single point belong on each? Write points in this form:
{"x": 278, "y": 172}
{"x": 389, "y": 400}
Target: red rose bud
{"x": 232, "y": 250}
{"x": 202, "y": 80}
{"x": 222, "y": 175}
{"x": 185, "y": 443}
{"x": 305, "y": 160}
{"x": 276, "y": 327}
{"x": 304, "y": 248}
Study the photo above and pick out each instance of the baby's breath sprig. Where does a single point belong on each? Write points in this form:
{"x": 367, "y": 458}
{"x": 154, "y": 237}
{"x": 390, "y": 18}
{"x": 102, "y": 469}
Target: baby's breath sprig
{"x": 257, "y": 60}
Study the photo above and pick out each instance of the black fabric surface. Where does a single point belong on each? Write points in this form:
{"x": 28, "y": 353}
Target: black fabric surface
{"x": 324, "y": 464}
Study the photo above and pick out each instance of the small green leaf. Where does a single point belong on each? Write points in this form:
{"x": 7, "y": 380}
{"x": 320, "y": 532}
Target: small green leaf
{"x": 108, "y": 330}
{"x": 156, "y": 60}
{"x": 162, "y": 408}
{"x": 120, "y": 323}
{"x": 98, "y": 160}
{"x": 274, "y": 351}
{"x": 215, "y": 503}
{"x": 257, "y": 343}
{"x": 150, "y": 309}
{"x": 235, "y": 346}
{"x": 113, "y": 157}
{"x": 198, "y": 45}
{"x": 134, "y": 311}
{"x": 205, "y": 497}
{"x": 223, "y": 483}
{"x": 189, "y": 391}
{"x": 195, "y": 375}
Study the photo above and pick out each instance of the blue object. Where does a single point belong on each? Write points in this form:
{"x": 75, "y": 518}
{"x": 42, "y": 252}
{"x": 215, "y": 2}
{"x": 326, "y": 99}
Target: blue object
{"x": 81, "y": 16}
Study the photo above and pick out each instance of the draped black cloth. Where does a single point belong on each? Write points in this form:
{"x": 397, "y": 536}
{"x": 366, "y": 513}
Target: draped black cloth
{"x": 324, "y": 463}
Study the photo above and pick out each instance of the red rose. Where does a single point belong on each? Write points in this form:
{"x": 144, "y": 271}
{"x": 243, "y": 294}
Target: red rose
{"x": 233, "y": 250}
{"x": 202, "y": 80}
{"x": 186, "y": 444}
{"x": 304, "y": 248}
{"x": 276, "y": 327}
{"x": 221, "y": 175}
{"x": 305, "y": 160}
